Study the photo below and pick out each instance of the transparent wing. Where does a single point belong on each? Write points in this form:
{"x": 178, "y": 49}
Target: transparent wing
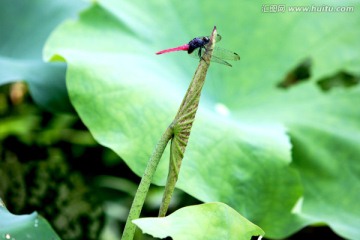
{"x": 195, "y": 54}
{"x": 225, "y": 54}
{"x": 218, "y": 60}
{"x": 218, "y": 38}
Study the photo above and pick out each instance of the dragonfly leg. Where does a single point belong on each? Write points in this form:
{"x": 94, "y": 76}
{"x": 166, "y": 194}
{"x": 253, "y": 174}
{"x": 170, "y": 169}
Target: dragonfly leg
{"x": 200, "y": 55}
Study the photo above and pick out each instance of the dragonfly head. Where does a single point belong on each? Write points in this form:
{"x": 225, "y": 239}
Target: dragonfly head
{"x": 206, "y": 40}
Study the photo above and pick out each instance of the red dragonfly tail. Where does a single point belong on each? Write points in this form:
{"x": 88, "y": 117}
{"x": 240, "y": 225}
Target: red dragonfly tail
{"x": 184, "y": 47}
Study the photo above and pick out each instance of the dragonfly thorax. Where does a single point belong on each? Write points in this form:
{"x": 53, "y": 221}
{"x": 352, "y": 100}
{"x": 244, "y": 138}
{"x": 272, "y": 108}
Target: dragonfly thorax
{"x": 198, "y": 42}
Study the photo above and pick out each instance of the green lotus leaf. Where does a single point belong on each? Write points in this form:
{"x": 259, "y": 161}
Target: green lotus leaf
{"x": 247, "y": 147}
{"x": 31, "y": 226}
{"x": 205, "y": 221}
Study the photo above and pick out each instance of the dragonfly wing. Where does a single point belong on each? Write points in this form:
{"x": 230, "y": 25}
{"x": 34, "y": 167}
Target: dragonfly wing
{"x": 218, "y": 38}
{"x": 225, "y": 54}
{"x": 218, "y": 60}
{"x": 195, "y": 54}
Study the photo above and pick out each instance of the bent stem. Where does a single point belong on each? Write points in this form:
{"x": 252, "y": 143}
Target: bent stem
{"x": 183, "y": 122}
{"x": 144, "y": 185}
{"x": 178, "y": 132}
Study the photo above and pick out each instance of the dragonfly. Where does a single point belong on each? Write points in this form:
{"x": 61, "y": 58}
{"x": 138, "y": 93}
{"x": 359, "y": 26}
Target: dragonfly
{"x": 198, "y": 46}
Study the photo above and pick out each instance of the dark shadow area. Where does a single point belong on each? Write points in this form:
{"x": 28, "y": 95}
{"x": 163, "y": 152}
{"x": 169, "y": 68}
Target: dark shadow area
{"x": 341, "y": 79}
{"x": 300, "y": 73}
